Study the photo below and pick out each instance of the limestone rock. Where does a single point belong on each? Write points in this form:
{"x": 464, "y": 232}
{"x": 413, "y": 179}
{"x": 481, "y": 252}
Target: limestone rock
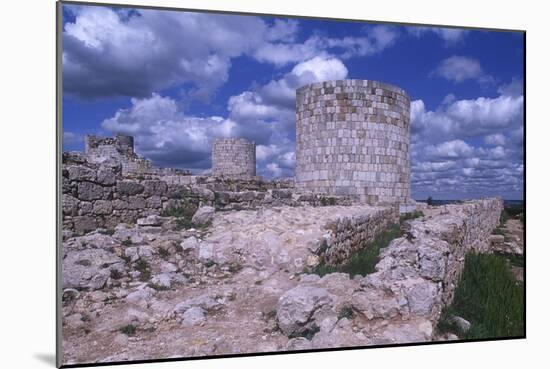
{"x": 203, "y": 215}
{"x": 193, "y": 316}
{"x": 89, "y": 268}
{"x": 296, "y": 307}
{"x": 462, "y": 324}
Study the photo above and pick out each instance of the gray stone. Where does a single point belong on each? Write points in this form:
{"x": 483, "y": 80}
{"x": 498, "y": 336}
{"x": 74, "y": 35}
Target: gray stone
{"x": 163, "y": 280}
{"x": 88, "y": 268}
{"x": 462, "y": 324}
{"x": 206, "y": 302}
{"x": 203, "y": 215}
{"x": 154, "y": 187}
{"x": 150, "y": 221}
{"x": 296, "y": 307}
{"x": 102, "y": 207}
{"x": 81, "y": 173}
{"x": 84, "y": 224}
{"x": 422, "y": 297}
{"x": 193, "y": 316}
{"x": 106, "y": 177}
{"x": 88, "y": 191}
{"x": 128, "y": 188}
{"x": 189, "y": 244}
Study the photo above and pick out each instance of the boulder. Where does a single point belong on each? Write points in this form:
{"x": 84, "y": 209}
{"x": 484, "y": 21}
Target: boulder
{"x": 296, "y": 308}
{"x": 193, "y": 316}
{"x": 128, "y": 188}
{"x": 462, "y": 324}
{"x": 89, "y": 268}
{"x": 150, "y": 221}
{"x": 203, "y": 215}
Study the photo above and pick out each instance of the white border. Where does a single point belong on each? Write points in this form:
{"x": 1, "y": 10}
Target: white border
{"x": 28, "y": 181}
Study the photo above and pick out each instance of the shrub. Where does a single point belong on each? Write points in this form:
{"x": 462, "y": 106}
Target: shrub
{"x": 163, "y": 253}
{"x": 142, "y": 266}
{"x": 116, "y": 274}
{"x": 128, "y": 330}
{"x": 127, "y": 242}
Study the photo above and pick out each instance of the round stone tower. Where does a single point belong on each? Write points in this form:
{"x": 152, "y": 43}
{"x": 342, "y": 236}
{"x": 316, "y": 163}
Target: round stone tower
{"x": 234, "y": 157}
{"x": 352, "y": 138}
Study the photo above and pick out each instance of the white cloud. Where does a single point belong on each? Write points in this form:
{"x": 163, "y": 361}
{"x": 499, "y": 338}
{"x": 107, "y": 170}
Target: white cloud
{"x": 496, "y": 139}
{"x": 374, "y": 41}
{"x": 109, "y": 53}
{"x": 450, "y": 149}
{"x": 71, "y": 138}
{"x": 466, "y": 118}
{"x": 461, "y": 68}
{"x": 165, "y": 134}
{"x": 451, "y": 36}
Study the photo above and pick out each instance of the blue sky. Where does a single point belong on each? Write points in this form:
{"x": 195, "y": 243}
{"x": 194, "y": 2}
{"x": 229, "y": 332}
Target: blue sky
{"x": 176, "y": 80}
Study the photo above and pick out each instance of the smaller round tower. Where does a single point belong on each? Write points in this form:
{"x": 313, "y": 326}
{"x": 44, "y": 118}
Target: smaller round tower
{"x": 234, "y": 157}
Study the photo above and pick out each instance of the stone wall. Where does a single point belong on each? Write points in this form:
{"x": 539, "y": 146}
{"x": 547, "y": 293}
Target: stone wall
{"x": 234, "y": 157}
{"x": 423, "y": 268}
{"x": 400, "y": 302}
{"x": 350, "y": 234}
{"x": 102, "y": 195}
{"x": 352, "y": 138}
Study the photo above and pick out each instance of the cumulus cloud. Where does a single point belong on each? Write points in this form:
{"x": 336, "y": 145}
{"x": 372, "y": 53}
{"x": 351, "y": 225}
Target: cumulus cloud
{"x": 451, "y": 36}
{"x": 495, "y": 139}
{"x": 374, "y": 41}
{"x": 108, "y": 52}
{"x": 461, "y": 68}
{"x": 468, "y": 147}
{"x": 166, "y": 135}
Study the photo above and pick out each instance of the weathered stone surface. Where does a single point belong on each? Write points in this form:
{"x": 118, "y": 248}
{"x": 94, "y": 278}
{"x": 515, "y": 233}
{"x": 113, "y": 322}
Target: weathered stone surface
{"x": 88, "y": 268}
{"x": 88, "y": 191}
{"x": 203, "y": 215}
{"x": 193, "y": 316}
{"x": 128, "y": 188}
{"x": 102, "y": 207}
{"x": 84, "y": 224}
{"x": 81, "y": 173}
{"x": 462, "y": 324}
{"x": 295, "y": 309}
{"x": 154, "y": 187}
{"x": 150, "y": 221}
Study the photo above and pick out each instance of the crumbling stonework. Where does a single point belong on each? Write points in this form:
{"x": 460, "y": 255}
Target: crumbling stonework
{"x": 119, "y": 150}
{"x": 101, "y": 195}
{"x": 352, "y": 138}
{"x": 233, "y": 158}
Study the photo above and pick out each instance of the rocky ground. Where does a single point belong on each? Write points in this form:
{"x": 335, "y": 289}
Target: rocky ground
{"x": 238, "y": 283}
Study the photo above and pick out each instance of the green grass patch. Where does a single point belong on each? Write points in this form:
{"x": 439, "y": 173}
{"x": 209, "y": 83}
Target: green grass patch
{"x": 128, "y": 330}
{"x": 364, "y": 260}
{"x": 184, "y": 216}
{"x": 489, "y": 297}
{"x": 142, "y": 266}
{"x": 412, "y": 215}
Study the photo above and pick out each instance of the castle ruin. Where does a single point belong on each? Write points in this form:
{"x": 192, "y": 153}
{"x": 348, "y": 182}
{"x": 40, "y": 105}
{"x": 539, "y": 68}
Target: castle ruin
{"x": 119, "y": 149}
{"x": 352, "y": 138}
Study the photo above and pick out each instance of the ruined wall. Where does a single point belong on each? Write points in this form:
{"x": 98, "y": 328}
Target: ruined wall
{"x": 400, "y": 302}
{"x": 234, "y": 157}
{"x": 350, "y": 234}
{"x": 423, "y": 268}
{"x": 352, "y": 138}
{"x": 119, "y": 149}
{"x": 101, "y": 195}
